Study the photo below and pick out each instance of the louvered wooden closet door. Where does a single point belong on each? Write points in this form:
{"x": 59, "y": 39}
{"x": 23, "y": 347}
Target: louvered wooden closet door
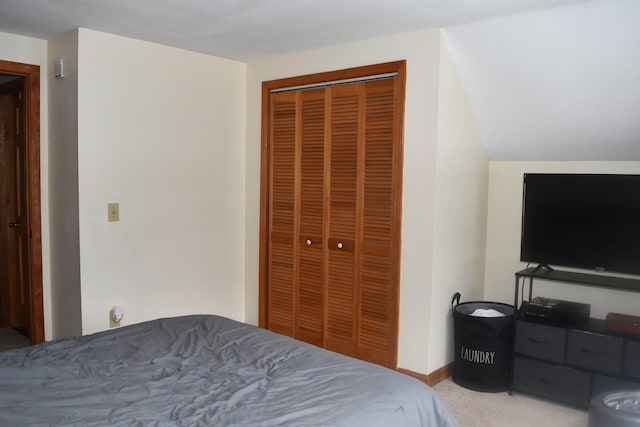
{"x": 311, "y": 271}
{"x": 342, "y": 285}
{"x": 281, "y": 295}
{"x": 332, "y": 275}
{"x": 296, "y": 250}
{"x": 379, "y": 262}
{"x": 361, "y": 288}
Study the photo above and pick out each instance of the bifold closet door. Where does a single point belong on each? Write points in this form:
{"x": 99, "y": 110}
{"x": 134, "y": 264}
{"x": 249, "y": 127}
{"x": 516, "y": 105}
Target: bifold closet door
{"x": 311, "y": 266}
{"x": 380, "y": 213}
{"x": 282, "y": 215}
{"x": 342, "y": 288}
{"x": 296, "y": 247}
{"x": 332, "y": 273}
{"x": 362, "y": 288}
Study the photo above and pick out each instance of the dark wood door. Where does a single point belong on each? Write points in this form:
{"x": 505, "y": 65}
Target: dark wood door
{"x": 14, "y": 267}
{"x": 21, "y": 224}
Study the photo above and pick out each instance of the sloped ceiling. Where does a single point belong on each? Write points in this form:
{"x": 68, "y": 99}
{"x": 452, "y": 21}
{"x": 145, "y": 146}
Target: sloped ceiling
{"x": 557, "y": 84}
{"x": 546, "y": 79}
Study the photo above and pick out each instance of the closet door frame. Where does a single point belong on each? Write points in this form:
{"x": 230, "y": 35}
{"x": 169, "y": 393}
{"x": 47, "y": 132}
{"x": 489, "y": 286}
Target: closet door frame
{"x": 398, "y": 67}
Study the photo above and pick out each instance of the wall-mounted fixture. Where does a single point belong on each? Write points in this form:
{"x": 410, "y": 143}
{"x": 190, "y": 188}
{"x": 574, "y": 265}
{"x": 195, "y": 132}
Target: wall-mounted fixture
{"x": 58, "y": 69}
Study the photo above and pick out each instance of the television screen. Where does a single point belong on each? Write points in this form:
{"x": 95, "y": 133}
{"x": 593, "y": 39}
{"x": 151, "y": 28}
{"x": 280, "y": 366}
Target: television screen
{"x": 588, "y": 221}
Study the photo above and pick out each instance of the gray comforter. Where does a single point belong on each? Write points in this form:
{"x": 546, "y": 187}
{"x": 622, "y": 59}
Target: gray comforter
{"x": 204, "y": 371}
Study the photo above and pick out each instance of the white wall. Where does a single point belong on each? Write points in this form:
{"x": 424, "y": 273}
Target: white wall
{"x": 66, "y": 312}
{"x": 33, "y": 51}
{"x": 417, "y": 296}
{"x": 503, "y": 237}
{"x": 162, "y": 132}
{"x": 462, "y": 175}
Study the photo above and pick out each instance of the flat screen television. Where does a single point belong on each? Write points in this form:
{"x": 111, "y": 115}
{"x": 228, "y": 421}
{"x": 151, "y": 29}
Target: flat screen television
{"x": 586, "y": 221}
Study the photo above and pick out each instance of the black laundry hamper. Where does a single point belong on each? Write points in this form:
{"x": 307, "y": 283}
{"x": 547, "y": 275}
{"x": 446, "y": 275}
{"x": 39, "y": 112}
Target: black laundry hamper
{"x": 482, "y": 345}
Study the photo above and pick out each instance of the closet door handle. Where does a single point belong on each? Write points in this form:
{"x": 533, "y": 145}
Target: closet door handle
{"x": 342, "y": 245}
{"x": 308, "y": 242}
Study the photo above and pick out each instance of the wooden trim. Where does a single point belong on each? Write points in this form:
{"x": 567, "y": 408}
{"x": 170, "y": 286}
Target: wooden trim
{"x": 328, "y": 76}
{"x": 264, "y": 209}
{"x": 396, "y": 242}
{"x": 350, "y": 73}
{"x": 433, "y": 378}
{"x": 31, "y": 73}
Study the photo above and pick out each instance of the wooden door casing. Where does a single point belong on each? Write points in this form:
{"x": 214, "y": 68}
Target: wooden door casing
{"x": 330, "y": 211}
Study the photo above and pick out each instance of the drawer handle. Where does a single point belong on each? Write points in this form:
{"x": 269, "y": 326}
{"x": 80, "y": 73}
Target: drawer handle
{"x": 591, "y": 352}
{"x": 547, "y": 382}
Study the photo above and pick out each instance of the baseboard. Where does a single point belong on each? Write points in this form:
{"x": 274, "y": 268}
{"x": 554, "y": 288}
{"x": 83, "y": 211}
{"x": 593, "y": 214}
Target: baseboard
{"x": 433, "y": 378}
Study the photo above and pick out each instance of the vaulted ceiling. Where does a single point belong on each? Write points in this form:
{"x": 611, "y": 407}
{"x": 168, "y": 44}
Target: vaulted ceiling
{"x": 546, "y": 79}
{"x": 556, "y": 84}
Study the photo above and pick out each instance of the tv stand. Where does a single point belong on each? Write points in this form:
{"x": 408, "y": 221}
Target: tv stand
{"x": 544, "y": 272}
{"x": 542, "y": 268}
{"x": 572, "y": 363}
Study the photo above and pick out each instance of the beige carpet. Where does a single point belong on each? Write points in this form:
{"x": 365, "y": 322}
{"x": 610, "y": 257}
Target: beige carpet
{"x": 476, "y": 409}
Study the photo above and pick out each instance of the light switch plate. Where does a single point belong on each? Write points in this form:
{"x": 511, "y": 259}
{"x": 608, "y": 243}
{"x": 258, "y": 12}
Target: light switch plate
{"x": 113, "y": 213}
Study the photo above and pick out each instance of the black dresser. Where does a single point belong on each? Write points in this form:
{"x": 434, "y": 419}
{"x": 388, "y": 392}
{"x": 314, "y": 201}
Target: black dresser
{"x": 571, "y": 364}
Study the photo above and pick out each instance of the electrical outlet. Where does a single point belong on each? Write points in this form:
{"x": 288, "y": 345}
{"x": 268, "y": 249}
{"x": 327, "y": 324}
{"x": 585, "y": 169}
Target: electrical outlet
{"x": 113, "y": 212}
{"x": 115, "y": 316}
{"x": 113, "y": 323}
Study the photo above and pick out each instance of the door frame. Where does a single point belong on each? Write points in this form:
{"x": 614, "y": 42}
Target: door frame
{"x": 31, "y": 74}
{"x": 292, "y": 82}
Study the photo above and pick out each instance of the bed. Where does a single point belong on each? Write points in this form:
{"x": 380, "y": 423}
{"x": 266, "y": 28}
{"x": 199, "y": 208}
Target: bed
{"x": 204, "y": 370}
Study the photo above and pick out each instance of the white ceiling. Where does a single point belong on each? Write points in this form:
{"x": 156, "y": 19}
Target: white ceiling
{"x": 546, "y": 79}
{"x": 248, "y": 30}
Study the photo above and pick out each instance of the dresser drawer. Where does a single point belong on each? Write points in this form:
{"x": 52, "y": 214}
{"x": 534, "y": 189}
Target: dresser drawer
{"x": 631, "y": 365}
{"x": 554, "y": 382}
{"x": 540, "y": 341}
{"x": 593, "y": 351}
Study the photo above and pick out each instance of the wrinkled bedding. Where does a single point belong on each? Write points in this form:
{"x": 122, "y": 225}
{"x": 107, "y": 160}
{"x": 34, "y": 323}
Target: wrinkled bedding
{"x": 204, "y": 370}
